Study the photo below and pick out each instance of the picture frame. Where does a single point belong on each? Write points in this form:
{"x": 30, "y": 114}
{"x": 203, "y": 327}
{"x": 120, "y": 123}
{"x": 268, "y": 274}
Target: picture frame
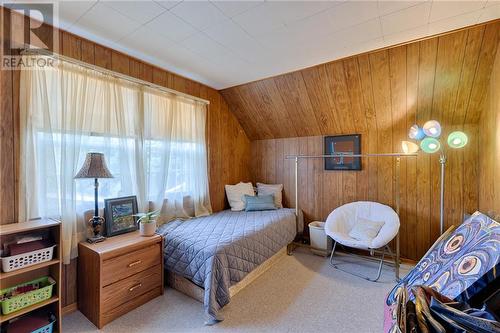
{"x": 118, "y": 214}
{"x": 346, "y": 144}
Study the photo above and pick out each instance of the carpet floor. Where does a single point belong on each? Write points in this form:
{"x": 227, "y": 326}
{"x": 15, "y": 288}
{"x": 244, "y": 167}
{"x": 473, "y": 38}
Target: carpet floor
{"x": 301, "y": 293}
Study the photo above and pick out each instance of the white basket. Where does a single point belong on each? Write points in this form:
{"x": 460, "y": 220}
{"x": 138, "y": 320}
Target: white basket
{"x": 27, "y": 259}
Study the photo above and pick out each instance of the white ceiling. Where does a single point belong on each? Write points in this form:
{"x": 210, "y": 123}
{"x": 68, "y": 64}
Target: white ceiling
{"x": 225, "y": 43}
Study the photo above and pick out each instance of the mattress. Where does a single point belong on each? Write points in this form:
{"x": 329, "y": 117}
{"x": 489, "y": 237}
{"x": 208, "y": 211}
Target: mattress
{"x": 217, "y": 251}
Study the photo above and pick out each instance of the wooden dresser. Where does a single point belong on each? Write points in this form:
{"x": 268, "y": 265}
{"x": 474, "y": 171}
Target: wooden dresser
{"x": 118, "y": 275}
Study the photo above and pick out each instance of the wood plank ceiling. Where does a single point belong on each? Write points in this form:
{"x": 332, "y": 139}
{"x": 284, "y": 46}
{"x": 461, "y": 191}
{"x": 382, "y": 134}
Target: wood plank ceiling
{"x": 350, "y": 95}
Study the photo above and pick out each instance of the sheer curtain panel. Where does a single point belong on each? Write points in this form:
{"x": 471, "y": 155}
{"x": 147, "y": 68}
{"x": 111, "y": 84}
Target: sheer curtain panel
{"x": 154, "y": 143}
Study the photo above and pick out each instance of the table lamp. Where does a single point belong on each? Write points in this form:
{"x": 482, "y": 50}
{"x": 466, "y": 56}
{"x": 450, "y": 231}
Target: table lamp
{"x": 95, "y": 167}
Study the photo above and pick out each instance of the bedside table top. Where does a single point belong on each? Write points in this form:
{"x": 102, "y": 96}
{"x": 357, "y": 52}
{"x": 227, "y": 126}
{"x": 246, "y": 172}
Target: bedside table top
{"x": 121, "y": 243}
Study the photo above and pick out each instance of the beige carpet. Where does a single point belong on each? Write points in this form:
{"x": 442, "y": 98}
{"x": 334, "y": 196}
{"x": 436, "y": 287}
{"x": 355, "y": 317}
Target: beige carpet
{"x": 301, "y": 293}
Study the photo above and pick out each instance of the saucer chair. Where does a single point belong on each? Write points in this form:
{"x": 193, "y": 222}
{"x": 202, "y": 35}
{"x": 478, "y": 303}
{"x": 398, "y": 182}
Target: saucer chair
{"x": 342, "y": 220}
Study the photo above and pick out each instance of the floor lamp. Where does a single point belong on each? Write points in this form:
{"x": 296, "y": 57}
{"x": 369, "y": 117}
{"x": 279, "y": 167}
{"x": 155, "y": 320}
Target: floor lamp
{"x": 429, "y": 136}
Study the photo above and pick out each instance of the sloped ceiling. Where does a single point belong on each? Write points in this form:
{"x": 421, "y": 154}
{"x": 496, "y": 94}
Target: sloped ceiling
{"x": 442, "y": 78}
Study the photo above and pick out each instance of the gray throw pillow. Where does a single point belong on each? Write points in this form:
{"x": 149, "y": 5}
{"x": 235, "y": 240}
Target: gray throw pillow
{"x": 263, "y": 202}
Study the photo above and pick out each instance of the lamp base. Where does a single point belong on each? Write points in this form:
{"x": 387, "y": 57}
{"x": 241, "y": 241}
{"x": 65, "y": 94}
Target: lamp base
{"x": 95, "y": 239}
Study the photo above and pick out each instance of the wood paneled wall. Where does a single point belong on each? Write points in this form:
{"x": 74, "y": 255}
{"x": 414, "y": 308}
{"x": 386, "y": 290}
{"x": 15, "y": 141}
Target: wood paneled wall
{"x": 379, "y": 95}
{"x": 489, "y": 148}
{"x": 322, "y": 191}
{"x": 229, "y": 146}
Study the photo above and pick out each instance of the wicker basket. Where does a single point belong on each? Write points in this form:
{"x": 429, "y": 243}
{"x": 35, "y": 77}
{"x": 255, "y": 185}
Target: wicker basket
{"x": 45, "y": 329}
{"x": 27, "y": 259}
{"x": 22, "y": 301}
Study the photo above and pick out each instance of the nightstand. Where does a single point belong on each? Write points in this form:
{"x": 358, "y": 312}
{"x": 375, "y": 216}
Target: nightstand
{"x": 118, "y": 275}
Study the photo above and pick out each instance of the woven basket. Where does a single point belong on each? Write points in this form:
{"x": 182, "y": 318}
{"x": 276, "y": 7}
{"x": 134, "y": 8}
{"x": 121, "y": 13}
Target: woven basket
{"x": 27, "y": 259}
{"x": 45, "y": 329}
{"x": 22, "y": 301}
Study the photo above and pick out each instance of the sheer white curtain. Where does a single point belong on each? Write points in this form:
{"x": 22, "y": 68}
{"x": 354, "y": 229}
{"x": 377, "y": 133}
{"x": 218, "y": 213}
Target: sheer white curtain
{"x": 154, "y": 144}
{"x": 175, "y": 155}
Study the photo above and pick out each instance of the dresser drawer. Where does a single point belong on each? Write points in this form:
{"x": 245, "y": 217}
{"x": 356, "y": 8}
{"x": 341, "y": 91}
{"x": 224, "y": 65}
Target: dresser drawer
{"x": 128, "y": 289}
{"x": 128, "y": 264}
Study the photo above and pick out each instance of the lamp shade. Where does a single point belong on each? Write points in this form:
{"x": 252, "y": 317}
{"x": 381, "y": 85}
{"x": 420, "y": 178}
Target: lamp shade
{"x": 416, "y": 133}
{"x": 94, "y": 167}
{"x": 432, "y": 128}
{"x": 430, "y": 145}
{"x": 409, "y": 147}
{"x": 457, "y": 139}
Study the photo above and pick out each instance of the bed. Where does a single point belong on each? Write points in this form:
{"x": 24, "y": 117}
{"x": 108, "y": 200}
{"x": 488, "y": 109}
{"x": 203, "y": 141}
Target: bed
{"x": 217, "y": 252}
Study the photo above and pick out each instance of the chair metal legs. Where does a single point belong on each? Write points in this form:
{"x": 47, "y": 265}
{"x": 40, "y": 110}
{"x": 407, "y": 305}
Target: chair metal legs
{"x": 372, "y": 251}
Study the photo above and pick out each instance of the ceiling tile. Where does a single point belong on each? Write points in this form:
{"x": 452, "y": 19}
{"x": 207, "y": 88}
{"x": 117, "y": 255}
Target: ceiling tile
{"x": 168, "y": 4}
{"x": 281, "y": 38}
{"x": 357, "y": 34}
{"x": 232, "y": 8}
{"x": 405, "y": 19}
{"x": 407, "y": 35}
{"x": 227, "y": 32}
{"x": 70, "y": 11}
{"x": 147, "y": 41}
{"x": 365, "y": 46}
{"x": 140, "y": 11}
{"x": 258, "y": 20}
{"x": 171, "y": 26}
{"x": 444, "y": 9}
{"x": 454, "y": 22}
{"x": 207, "y": 48}
{"x": 251, "y": 52}
{"x": 351, "y": 13}
{"x": 490, "y": 3}
{"x": 199, "y": 14}
{"x": 107, "y": 23}
{"x": 388, "y": 7}
{"x": 289, "y": 11}
{"x": 490, "y": 13}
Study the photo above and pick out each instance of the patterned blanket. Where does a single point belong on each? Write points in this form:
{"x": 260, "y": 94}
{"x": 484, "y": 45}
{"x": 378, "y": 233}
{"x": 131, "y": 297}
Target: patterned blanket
{"x": 460, "y": 264}
{"x": 219, "y": 250}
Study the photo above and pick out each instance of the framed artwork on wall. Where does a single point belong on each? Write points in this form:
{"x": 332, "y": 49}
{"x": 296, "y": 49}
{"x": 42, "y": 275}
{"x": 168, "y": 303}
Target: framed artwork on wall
{"x": 118, "y": 213}
{"x": 345, "y": 145}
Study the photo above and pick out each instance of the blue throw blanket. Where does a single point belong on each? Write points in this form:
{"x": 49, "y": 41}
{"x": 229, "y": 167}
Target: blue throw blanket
{"x": 219, "y": 250}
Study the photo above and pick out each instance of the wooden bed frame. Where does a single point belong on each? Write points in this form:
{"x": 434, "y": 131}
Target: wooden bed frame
{"x": 190, "y": 289}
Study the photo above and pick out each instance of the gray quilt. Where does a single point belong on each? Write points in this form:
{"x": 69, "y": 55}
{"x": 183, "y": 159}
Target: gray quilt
{"x": 219, "y": 250}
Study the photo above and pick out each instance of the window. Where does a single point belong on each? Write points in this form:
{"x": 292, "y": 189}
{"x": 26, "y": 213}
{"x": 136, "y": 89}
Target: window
{"x": 153, "y": 142}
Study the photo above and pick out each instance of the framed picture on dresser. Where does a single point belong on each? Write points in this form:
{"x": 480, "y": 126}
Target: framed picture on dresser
{"x": 119, "y": 215}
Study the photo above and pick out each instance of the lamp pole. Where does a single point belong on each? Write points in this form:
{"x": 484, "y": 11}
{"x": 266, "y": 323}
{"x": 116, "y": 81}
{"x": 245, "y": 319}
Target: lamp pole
{"x": 442, "y": 161}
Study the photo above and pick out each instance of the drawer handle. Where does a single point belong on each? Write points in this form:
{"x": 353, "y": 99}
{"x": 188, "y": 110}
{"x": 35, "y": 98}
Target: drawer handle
{"x": 135, "y": 287}
{"x": 132, "y": 264}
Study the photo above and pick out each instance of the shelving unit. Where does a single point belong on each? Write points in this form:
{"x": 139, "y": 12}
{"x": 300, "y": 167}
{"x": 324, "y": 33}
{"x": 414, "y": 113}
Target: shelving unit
{"x": 50, "y": 268}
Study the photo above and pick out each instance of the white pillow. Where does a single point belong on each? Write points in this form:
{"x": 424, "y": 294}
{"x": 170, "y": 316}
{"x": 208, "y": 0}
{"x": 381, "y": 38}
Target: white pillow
{"x": 274, "y": 189}
{"x": 236, "y": 194}
{"x": 365, "y": 230}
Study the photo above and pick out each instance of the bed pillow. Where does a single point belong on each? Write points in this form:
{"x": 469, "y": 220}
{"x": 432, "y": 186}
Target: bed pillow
{"x": 235, "y": 195}
{"x": 274, "y": 189}
{"x": 261, "y": 202}
{"x": 365, "y": 230}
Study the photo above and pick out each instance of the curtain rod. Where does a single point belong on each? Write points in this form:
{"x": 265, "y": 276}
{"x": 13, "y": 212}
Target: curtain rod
{"x": 293, "y": 157}
{"x": 43, "y": 52}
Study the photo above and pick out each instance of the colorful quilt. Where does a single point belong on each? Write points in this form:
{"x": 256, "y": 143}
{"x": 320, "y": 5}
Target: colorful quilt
{"x": 459, "y": 264}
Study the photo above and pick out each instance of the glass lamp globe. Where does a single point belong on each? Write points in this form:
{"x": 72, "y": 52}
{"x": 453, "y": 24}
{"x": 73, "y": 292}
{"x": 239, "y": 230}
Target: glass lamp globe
{"x": 416, "y": 133}
{"x": 409, "y": 147}
{"x": 430, "y": 145}
{"x": 457, "y": 139}
{"x": 432, "y": 128}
